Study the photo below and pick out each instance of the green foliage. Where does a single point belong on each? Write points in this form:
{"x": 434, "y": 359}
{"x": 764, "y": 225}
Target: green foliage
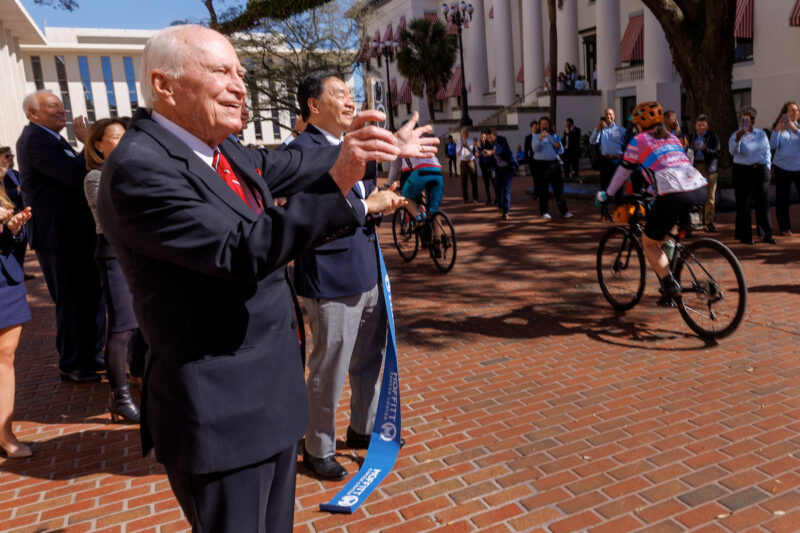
{"x": 249, "y": 16}
{"x": 426, "y": 57}
{"x": 68, "y": 5}
{"x": 278, "y": 54}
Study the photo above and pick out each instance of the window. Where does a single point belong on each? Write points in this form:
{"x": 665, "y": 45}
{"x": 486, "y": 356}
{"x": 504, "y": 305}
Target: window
{"x": 741, "y": 98}
{"x": 61, "y": 72}
{"x": 408, "y": 109}
{"x": 743, "y": 50}
{"x": 590, "y": 56}
{"x": 276, "y": 126}
{"x": 36, "y": 67}
{"x": 86, "y": 80}
{"x": 130, "y": 77}
{"x": 628, "y": 103}
{"x": 257, "y": 127}
{"x": 108, "y": 78}
{"x": 438, "y": 106}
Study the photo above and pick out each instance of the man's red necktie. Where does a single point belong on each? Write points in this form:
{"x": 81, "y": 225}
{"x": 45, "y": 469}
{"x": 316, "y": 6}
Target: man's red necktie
{"x": 223, "y": 168}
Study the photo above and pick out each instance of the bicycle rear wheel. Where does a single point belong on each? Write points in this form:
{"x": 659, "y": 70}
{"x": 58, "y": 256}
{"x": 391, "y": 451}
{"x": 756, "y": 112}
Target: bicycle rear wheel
{"x": 621, "y": 268}
{"x": 406, "y": 239}
{"x": 713, "y": 288}
{"x": 443, "y": 242}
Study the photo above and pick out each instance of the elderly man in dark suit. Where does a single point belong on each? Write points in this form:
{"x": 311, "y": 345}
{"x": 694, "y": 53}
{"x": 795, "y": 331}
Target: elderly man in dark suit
{"x": 339, "y": 285}
{"x": 191, "y": 215}
{"x": 62, "y": 234}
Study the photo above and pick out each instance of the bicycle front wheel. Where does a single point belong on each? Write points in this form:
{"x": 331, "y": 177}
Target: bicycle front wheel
{"x": 713, "y": 288}
{"x": 621, "y": 268}
{"x": 443, "y": 242}
{"x": 406, "y": 239}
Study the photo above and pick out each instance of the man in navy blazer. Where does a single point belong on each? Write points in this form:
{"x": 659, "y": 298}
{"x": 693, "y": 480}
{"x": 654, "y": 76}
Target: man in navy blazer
{"x": 203, "y": 247}
{"x": 62, "y": 234}
{"x": 339, "y": 285}
{"x": 505, "y": 168}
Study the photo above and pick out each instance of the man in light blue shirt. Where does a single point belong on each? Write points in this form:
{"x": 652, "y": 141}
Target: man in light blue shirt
{"x": 610, "y": 136}
{"x": 749, "y": 147}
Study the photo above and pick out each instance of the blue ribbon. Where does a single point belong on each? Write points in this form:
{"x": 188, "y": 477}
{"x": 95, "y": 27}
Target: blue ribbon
{"x": 384, "y": 443}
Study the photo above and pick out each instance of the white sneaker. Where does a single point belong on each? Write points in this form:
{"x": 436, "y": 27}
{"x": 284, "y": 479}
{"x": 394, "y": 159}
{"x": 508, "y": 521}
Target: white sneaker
{"x": 568, "y": 214}
{"x": 546, "y": 216}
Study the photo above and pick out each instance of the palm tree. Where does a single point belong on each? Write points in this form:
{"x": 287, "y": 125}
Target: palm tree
{"x": 426, "y": 58}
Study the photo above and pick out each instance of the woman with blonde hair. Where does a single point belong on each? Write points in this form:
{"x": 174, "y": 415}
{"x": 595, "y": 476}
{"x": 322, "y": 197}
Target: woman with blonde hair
{"x": 14, "y": 312}
{"x": 785, "y": 140}
{"x": 123, "y": 336}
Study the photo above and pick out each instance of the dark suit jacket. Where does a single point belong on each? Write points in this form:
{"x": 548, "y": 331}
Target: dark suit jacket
{"x": 10, "y": 266}
{"x": 348, "y": 265}
{"x": 11, "y": 184}
{"x": 503, "y": 151}
{"x": 711, "y": 153}
{"x": 52, "y": 184}
{"x": 572, "y": 149}
{"x": 223, "y": 387}
{"x": 528, "y": 147}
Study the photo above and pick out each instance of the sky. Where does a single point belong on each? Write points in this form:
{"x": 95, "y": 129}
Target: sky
{"x": 125, "y": 14}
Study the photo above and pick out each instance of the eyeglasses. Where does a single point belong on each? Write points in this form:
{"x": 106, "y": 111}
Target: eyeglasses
{"x": 8, "y": 156}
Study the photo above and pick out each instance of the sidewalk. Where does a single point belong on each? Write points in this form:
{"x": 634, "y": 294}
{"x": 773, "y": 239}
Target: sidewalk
{"x": 528, "y": 403}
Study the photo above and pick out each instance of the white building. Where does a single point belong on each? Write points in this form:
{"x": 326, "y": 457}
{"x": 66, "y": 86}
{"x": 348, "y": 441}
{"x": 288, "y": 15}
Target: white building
{"x": 506, "y": 58}
{"x": 95, "y": 72}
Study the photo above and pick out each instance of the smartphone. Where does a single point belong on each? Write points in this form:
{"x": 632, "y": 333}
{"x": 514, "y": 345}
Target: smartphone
{"x": 785, "y": 120}
{"x": 745, "y": 123}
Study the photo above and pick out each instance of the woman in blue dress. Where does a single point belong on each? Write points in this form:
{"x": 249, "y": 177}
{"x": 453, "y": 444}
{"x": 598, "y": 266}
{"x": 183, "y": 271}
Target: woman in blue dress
{"x": 13, "y": 313}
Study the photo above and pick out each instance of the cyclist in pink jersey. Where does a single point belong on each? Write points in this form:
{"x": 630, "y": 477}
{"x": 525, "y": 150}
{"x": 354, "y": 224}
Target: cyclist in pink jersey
{"x": 675, "y": 183}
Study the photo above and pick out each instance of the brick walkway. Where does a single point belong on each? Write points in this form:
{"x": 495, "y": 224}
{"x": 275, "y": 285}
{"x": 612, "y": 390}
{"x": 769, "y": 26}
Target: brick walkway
{"x": 528, "y": 404}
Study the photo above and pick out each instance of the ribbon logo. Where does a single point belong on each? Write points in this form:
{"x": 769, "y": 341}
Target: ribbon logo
{"x": 388, "y": 431}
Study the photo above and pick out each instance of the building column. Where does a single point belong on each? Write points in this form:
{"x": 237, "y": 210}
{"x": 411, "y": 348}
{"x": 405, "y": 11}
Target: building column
{"x": 567, "y": 26}
{"x": 532, "y": 52}
{"x": 659, "y": 83}
{"x": 475, "y": 70}
{"x": 503, "y": 54}
{"x": 608, "y": 38}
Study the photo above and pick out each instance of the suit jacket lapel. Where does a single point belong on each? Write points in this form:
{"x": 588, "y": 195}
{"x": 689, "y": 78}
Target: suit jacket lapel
{"x": 319, "y": 138}
{"x": 244, "y": 170}
{"x": 179, "y": 151}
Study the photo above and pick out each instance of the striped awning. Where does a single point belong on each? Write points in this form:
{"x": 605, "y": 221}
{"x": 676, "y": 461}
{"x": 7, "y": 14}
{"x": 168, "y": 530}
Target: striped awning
{"x": 404, "y": 96}
{"x": 376, "y": 51}
{"x": 363, "y": 57}
{"x": 491, "y": 12}
{"x": 794, "y": 18}
{"x": 632, "y": 45}
{"x": 454, "y": 87}
{"x": 432, "y": 16}
{"x": 547, "y": 70}
{"x": 401, "y": 26}
{"x": 388, "y": 35}
{"x": 743, "y": 29}
{"x": 441, "y": 94}
{"x": 521, "y": 74}
{"x": 393, "y": 88}
{"x": 452, "y": 29}
{"x": 494, "y": 82}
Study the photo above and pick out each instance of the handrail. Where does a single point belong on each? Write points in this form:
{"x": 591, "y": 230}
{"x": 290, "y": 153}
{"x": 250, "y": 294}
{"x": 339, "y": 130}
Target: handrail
{"x": 518, "y": 100}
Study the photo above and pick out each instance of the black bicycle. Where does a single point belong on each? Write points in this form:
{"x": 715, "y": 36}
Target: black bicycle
{"x": 434, "y": 232}
{"x": 713, "y": 289}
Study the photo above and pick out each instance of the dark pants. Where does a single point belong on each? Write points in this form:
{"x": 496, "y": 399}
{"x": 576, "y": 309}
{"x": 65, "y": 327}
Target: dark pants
{"x": 502, "y": 186}
{"x": 783, "y": 189}
{"x": 257, "y": 498}
{"x": 74, "y": 286}
{"x": 570, "y": 163}
{"x": 486, "y": 174}
{"x": 452, "y": 166}
{"x": 536, "y": 182}
{"x": 607, "y": 169}
{"x": 750, "y": 184}
{"x": 468, "y": 173}
{"x": 548, "y": 174}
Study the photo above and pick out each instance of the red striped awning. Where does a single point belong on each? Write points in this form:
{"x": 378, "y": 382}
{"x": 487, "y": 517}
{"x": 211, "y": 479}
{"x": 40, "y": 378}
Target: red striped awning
{"x": 632, "y": 45}
{"x": 376, "y": 51}
{"x": 388, "y": 35}
{"x": 547, "y": 70}
{"x": 491, "y": 12}
{"x": 363, "y": 57}
{"x": 393, "y": 88}
{"x": 432, "y": 16}
{"x": 452, "y": 29}
{"x": 494, "y": 82}
{"x": 521, "y": 74}
{"x": 441, "y": 94}
{"x": 794, "y": 19}
{"x": 743, "y": 28}
{"x": 404, "y": 96}
{"x": 401, "y": 25}
{"x": 454, "y": 87}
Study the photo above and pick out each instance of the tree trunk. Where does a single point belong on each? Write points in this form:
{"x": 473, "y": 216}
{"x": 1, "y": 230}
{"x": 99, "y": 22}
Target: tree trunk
{"x": 431, "y": 111}
{"x": 701, "y": 42}
{"x": 551, "y": 12}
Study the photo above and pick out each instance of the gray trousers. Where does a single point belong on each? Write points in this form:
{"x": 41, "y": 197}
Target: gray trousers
{"x": 348, "y": 336}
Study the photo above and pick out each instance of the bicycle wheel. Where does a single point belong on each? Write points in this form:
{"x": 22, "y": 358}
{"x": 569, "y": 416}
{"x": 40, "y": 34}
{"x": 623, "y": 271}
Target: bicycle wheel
{"x": 620, "y": 268}
{"x": 713, "y": 289}
{"x": 406, "y": 239}
{"x": 443, "y": 242}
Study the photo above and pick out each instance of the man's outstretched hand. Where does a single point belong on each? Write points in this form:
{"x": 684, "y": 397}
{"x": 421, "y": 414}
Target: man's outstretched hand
{"x": 410, "y": 140}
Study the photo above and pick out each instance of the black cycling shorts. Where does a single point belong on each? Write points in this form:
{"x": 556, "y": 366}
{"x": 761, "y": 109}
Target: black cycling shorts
{"x": 670, "y": 209}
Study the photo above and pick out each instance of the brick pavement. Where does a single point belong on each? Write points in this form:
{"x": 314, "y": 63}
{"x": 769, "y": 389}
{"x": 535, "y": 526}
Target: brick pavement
{"x": 528, "y": 404}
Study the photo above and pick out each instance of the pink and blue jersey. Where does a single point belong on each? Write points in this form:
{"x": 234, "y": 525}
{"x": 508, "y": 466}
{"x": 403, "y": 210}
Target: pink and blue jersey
{"x": 664, "y": 163}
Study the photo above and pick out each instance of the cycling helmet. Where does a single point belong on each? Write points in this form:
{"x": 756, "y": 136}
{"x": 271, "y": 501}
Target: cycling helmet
{"x": 648, "y": 114}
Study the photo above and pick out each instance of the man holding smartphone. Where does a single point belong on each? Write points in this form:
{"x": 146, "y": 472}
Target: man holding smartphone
{"x": 611, "y": 137}
{"x": 705, "y": 145}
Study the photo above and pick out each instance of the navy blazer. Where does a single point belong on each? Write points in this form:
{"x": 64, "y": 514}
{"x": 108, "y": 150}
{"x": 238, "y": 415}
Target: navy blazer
{"x": 223, "y": 386}
{"x": 348, "y": 265}
{"x": 503, "y": 151}
{"x": 10, "y": 247}
{"x": 52, "y": 185}
{"x": 11, "y": 184}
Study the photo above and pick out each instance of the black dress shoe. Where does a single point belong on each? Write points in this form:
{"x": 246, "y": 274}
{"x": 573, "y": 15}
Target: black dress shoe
{"x": 79, "y": 376}
{"x": 326, "y": 468}
{"x": 746, "y": 241}
{"x": 356, "y": 440}
{"x": 768, "y": 240}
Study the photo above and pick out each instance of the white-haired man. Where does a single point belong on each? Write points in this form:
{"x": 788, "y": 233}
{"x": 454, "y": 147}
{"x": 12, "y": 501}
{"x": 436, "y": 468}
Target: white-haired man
{"x": 191, "y": 215}
{"x": 62, "y": 234}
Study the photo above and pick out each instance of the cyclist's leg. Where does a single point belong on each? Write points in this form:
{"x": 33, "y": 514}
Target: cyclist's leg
{"x": 412, "y": 188}
{"x": 662, "y": 217}
{"x": 435, "y": 189}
